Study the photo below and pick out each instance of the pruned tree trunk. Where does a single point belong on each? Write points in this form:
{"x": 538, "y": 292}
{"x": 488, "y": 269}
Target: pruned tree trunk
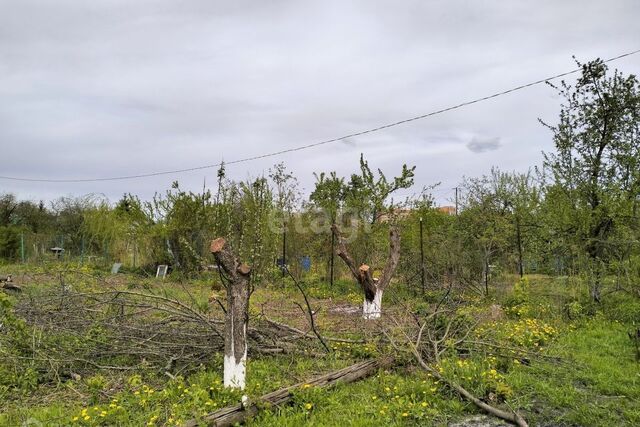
{"x": 372, "y": 305}
{"x": 237, "y": 315}
{"x": 373, "y": 287}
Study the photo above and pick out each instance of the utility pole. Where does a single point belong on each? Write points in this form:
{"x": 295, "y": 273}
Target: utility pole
{"x": 22, "y": 246}
{"x": 204, "y": 190}
{"x": 456, "y": 188}
{"x": 422, "y": 259}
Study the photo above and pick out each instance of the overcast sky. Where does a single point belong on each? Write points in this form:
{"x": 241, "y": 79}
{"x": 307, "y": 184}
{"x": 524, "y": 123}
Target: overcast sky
{"x": 119, "y": 87}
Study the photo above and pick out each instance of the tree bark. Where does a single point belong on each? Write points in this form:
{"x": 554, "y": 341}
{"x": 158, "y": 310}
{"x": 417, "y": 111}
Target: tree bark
{"x": 237, "y": 315}
{"x": 373, "y": 288}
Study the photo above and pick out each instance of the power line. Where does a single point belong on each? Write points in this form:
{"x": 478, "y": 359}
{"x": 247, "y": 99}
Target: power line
{"x": 315, "y": 144}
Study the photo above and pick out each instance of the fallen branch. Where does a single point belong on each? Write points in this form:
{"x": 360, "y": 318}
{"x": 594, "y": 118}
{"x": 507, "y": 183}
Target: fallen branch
{"x": 304, "y": 334}
{"x": 310, "y": 312}
{"x": 240, "y": 413}
{"x": 512, "y": 417}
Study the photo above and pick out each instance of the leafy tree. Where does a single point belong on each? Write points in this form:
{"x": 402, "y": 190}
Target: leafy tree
{"x": 328, "y": 197}
{"x": 8, "y": 205}
{"x": 35, "y": 217}
{"x": 484, "y": 223}
{"x": 329, "y": 194}
{"x": 368, "y": 194}
{"x": 597, "y": 161}
{"x": 69, "y": 220}
{"x": 184, "y": 223}
{"x": 286, "y": 188}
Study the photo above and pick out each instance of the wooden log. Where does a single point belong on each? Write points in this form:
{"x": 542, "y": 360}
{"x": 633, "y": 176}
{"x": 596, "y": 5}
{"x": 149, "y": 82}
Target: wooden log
{"x": 10, "y": 286}
{"x": 240, "y": 413}
{"x": 6, "y": 282}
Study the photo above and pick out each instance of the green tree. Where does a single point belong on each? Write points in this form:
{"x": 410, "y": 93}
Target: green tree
{"x": 369, "y": 195}
{"x": 596, "y": 164}
{"x": 328, "y": 198}
{"x": 484, "y": 225}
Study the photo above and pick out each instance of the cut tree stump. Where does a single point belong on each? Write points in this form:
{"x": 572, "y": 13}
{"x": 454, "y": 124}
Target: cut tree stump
{"x": 238, "y": 413}
{"x": 236, "y": 315}
{"x": 373, "y": 288}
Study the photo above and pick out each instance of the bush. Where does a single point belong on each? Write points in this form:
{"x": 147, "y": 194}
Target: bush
{"x": 9, "y": 242}
{"x": 623, "y": 308}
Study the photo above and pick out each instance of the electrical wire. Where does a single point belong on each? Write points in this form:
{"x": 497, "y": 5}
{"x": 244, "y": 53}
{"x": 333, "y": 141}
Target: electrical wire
{"x": 315, "y": 144}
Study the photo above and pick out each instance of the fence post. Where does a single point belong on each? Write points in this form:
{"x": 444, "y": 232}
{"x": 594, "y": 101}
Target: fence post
{"x": 422, "y": 259}
{"x": 22, "y": 246}
{"x": 82, "y": 250}
{"x": 284, "y": 249}
{"x": 333, "y": 250}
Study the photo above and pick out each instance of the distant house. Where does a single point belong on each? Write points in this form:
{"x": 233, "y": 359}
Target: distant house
{"x": 399, "y": 213}
{"x": 403, "y": 213}
{"x": 449, "y": 210}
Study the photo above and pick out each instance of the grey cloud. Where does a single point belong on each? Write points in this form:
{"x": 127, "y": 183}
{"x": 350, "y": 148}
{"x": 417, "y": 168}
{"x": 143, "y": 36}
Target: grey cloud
{"x": 94, "y": 89}
{"x": 482, "y": 145}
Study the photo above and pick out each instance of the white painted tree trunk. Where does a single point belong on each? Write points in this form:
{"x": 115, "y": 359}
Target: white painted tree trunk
{"x": 373, "y": 309}
{"x": 235, "y": 371}
{"x": 237, "y": 315}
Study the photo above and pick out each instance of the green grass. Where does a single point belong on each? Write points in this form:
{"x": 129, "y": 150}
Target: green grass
{"x": 393, "y": 398}
{"x": 598, "y": 385}
{"x": 594, "y": 382}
